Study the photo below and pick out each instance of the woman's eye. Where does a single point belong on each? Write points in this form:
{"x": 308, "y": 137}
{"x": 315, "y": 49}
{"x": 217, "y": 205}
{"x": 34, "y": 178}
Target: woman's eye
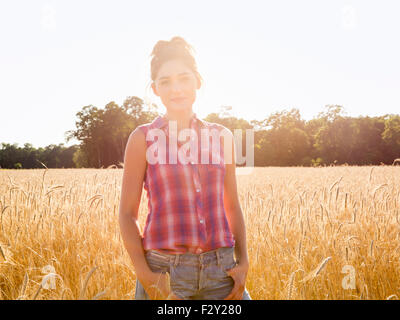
{"x": 166, "y": 82}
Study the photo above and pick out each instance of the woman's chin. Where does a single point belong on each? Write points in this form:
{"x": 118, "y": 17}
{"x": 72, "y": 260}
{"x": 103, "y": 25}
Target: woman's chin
{"x": 179, "y": 108}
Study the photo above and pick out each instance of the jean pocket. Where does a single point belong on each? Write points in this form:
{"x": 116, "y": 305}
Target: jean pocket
{"x": 219, "y": 272}
{"x": 228, "y": 266}
{"x": 157, "y": 262}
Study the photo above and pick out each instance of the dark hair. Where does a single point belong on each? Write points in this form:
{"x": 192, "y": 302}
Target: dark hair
{"x": 176, "y": 48}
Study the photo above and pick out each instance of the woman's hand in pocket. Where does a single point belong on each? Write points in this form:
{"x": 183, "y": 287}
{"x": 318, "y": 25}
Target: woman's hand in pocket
{"x": 157, "y": 286}
{"x": 238, "y": 274}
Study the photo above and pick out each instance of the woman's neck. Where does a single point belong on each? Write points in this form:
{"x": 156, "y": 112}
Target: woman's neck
{"x": 182, "y": 118}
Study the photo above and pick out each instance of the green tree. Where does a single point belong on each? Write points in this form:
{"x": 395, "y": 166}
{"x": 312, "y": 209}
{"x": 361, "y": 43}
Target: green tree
{"x": 391, "y": 137}
{"x": 369, "y": 148}
{"x": 9, "y": 155}
{"x": 288, "y": 143}
{"x": 18, "y": 165}
{"x": 336, "y": 141}
{"x": 103, "y": 133}
{"x": 80, "y": 159}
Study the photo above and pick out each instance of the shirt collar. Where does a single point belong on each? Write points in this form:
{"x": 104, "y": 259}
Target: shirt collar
{"x": 161, "y": 122}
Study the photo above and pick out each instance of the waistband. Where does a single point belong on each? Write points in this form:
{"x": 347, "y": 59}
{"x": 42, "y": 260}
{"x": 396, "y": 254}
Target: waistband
{"x": 205, "y": 257}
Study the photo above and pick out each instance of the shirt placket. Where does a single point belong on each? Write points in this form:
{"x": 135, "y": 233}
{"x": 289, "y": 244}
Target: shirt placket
{"x": 201, "y": 222}
{"x": 198, "y": 196}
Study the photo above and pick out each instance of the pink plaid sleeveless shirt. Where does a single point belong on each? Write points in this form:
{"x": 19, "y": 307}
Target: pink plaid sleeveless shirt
{"x": 185, "y": 201}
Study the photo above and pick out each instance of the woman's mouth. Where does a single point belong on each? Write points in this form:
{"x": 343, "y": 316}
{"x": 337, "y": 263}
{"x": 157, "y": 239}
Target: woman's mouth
{"x": 178, "y": 100}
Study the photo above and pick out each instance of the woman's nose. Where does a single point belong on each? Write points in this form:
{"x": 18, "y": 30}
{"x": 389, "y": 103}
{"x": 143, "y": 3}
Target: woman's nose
{"x": 176, "y": 87}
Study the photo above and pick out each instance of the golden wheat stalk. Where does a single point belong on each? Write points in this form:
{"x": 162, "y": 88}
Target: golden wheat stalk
{"x": 2, "y": 253}
{"x": 23, "y": 287}
{"x": 85, "y": 283}
{"x": 317, "y": 270}
{"x": 99, "y": 295}
{"x": 37, "y": 292}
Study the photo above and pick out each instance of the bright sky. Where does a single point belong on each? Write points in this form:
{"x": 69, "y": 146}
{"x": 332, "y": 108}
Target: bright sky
{"x": 257, "y": 56}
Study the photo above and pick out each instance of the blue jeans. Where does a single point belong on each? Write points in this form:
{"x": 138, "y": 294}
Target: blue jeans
{"x": 194, "y": 276}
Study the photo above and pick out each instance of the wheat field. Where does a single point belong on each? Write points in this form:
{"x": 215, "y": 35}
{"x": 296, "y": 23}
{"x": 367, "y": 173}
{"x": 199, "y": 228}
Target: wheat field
{"x": 312, "y": 233}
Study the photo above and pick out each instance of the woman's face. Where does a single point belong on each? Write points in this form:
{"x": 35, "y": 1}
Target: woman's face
{"x": 176, "y": 85}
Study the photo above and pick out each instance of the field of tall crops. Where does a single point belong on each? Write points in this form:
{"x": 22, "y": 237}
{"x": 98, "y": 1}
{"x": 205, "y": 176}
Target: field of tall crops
{"x": 312, "y": 233}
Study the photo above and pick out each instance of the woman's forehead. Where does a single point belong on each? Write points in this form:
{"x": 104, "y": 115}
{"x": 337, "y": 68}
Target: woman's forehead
{"x": 173, "y": 68}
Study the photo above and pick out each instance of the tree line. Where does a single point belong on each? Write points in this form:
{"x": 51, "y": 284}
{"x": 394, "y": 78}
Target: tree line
{"x": 281, "y": 139}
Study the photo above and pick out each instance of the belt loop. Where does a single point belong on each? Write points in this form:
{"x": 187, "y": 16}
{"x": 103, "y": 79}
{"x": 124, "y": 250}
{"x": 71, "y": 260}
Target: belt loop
{"x": 218, "y": 257}
{"x": 176, "y": 260}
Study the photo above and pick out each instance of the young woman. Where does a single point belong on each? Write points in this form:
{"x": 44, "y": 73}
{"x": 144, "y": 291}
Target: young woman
{"x": 194, "y": 242}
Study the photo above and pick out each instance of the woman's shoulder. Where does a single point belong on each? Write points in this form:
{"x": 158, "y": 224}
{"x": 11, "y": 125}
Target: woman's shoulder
{"x": 137, "y": 137}
{"x": 144, "y": 127}
{"x": 214, "y": 125}
{"x": 221, "y": 129}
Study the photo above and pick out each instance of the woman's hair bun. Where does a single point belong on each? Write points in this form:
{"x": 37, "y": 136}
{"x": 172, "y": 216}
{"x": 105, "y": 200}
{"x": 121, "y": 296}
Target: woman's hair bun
{"x": 175, "y": 43}
{"x": 158, "y": 48}
{"x": 180, "y": 42}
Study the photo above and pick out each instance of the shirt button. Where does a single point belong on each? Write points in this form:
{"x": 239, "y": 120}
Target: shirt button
{"x": 201, "y": 221}
{"x": 197, "y": 190}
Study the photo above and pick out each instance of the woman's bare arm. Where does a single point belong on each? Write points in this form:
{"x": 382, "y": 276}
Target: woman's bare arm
{"x": 236, "y": 223}
{"x": 131, "y": 192}
{"x": 232, "y": 205}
